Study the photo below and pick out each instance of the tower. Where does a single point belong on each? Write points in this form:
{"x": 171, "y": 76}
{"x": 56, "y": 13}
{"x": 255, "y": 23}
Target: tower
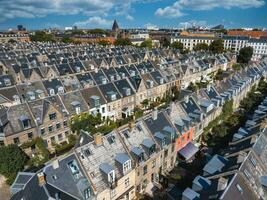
{"x": 115, "y": 29}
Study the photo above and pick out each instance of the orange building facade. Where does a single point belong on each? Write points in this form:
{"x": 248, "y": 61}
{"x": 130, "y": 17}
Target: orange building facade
{"x": 253, "y": 34}
{"x": 184, "y": 139}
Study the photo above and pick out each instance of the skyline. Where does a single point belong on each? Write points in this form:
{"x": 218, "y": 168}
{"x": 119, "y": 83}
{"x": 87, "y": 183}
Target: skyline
{"x": 36, "y": 14}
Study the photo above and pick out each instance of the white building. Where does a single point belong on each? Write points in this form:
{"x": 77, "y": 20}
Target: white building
{"x": 234, "y": 43}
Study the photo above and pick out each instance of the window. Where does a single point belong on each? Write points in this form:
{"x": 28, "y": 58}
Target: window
{"x": 78, "y": 110}
{"x": 166, "y": 153}
{"x": 87, "y": 193}
{"x": 42, "y": 131}
{"x": 113, "y": 193}
{"x": 65, "y": 124}
{"x": 53, "y": 116}
{"x": 58, "y": 125}
{"x": 50, "y": 128}
{"x": 253, "y": 161}
{"x": 52, "y": 139}
{"x": 239, "y": 188}
{"x": 247, "y": 174}
{"x": 154, "y": 163}
{"x": 26, "y": 123}
{"x": 30, "y": 135}
{"x": 16, "y": 140}
{"x": 60, "y": 137}
{"x": 144, "y": 170}
{"x": 126, "y": 166}
{"x": 111, "y": 176}
{"x": 127, "y": 182}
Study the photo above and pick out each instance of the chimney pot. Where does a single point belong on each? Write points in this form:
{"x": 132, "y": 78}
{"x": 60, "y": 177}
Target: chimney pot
{"x": 41, "y": 178}
{"x": 98, "y": 139}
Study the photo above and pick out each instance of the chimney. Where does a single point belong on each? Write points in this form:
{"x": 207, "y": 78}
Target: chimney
{"x": 55, "y": 164}
{"x": 241, "y": 157}
{"x": 131, "y": 125}
{"x": 253, "y": 139}
{"x": 155, "y": 114}
{"x": 222, "y": 184}
{"x": 98, "y": 139}
{"x": 41, "y": 178}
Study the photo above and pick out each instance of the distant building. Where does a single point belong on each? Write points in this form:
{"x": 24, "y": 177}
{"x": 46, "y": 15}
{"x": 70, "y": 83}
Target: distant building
{"x": 21, "y": 28}
{"x": 218, "y": 27}
{"x": 115, "y": 28}
{"x": 252, "y": 34}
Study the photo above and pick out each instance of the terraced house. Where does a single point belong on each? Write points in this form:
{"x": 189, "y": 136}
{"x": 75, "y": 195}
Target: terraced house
{"x": 134, "y": 159}
{"x": 52, "y": 82}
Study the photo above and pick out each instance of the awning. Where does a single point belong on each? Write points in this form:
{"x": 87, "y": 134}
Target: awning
{"x": 188, "y": 151}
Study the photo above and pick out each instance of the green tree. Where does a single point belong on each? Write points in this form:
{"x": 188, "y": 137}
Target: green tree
{"x": 236, "y": 66}
{"x": 216, "y": 46}
{"x": 201, "y": 46}
{"x": 245, "y": 55}
{"x": 123, "y": 42}
{"x": 98, "y": 31}
{"x": 165, "y": 42}
{"x": 12, "y": 160}
{"x": 41, "y": 36}
{"x": 177, "y": 45}
{"x": 67, "y": 40}
{"x": 192, "y": 87}
{"x": 146, "y": 44}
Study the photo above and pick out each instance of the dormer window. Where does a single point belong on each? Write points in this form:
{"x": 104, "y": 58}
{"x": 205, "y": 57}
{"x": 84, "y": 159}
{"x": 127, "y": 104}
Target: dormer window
{"x": 16, "y": 98}
{"x": 25, "y": 121}
{"x": 132, "y": 73}
{"x": 77, "y": 106}
{"x": 112, "y": 95}
{"x": 96, "y": 100}
{"x": 111, "y": 77}
{"x": 7, "y": 81}
{"x": 51, "y": 92}
{"x": 104, "y": 80}
{"x": 52, "y": 116}
{"x": 87, "y": 193}
{"x": 75, "y": 171}
{"x": 127, "y": 91}
{"x": 161, "y": 80}
{"x": 111, "y": 176}
{"x": 78, "y": 69}
{"x": 118, "y": 77}
{"x": 127, "y": 166}
{"x": 31, "y": 95}
{"x": 60, "y": 90}
{"x": 150, "y": 83}
{"x": 123, "y": 75}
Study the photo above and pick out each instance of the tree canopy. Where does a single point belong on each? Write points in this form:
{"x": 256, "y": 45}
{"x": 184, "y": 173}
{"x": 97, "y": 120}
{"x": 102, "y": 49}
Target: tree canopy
{"x": 147, "y": 44}
{"x": 123, "y": 42}
{"x": 177, "y": 45}
{"x": 12, "y": 160}
{"x": 41, "y": 36}
{"x": 165, "y": 42}
{"x": 216, "y": 46}
{"x": 245, "y": 55}
{"x": 201, "y": 46}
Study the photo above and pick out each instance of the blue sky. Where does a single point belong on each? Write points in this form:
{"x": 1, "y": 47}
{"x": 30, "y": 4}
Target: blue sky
{"x": 40, "y": 14}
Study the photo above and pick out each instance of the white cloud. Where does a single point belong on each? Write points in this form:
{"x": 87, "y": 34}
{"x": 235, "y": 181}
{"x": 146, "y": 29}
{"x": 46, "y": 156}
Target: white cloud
{"x": 192, "y": 23}
{"x": 151, "y": 26}
{"x": 179, "y": 7}
{"x": 94, "y": 22}
{"x": 40, "y": 8}
{"x": 129, "y": 17}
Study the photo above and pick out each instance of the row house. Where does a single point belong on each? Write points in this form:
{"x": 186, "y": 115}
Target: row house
{"x": 239, "y": 170}
{"x": 134, "y": 158}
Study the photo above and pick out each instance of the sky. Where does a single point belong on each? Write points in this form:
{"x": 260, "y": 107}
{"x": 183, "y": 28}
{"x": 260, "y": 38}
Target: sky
{"x": 43, "y": 14}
